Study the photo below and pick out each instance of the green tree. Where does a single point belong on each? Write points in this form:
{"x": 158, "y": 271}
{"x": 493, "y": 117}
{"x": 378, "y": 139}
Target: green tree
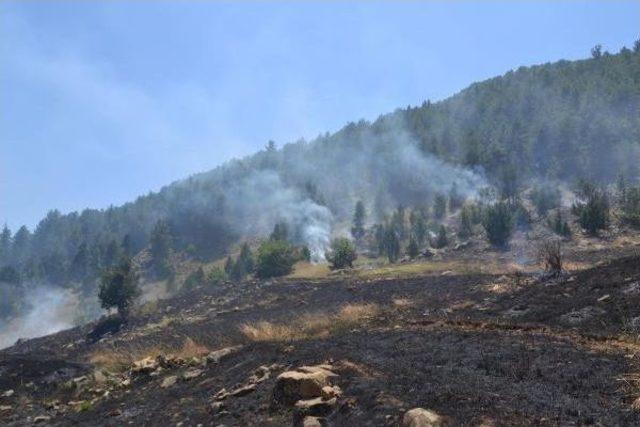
{"x": 466, "y": 222}
{"x": 342, "y": 253}
{"x": 280, "y": 232}
{"x": 455, "y": 198}
{"x": 246, "y": 258}
{"x": 391, "y": 244}
{"x": 596, "y": 51}
{"x": 8, "y": 274}
{"x": 195, "y": 279}
{"x": 359, "y": 216}
{"x": 439, "y": 206}
{"x": 119, "y": 288}
{"x": 228, "y": 265}
{"x": 5, "y": 245}
{"x": 412, "y": 248}
{"x": 275, "y": 258}
{"x": 160, "y": 244}
{"x": 498, "y": 223}
{"x": 593, "y": 212}
{"x": 441, "y": 240}
{"x": 21, "y": 245}
{"x": 418, "y": 226}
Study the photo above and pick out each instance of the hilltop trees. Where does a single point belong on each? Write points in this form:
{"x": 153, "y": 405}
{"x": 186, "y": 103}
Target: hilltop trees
{"x": 119, "y": 287}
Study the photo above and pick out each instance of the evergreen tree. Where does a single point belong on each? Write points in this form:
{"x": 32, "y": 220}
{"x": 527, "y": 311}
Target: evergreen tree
{"x": 160, "y": 244}
{"x": 391, "y": 244}
{"x": 439, "y": 206}
{"x": 380, "y": 239}
{"x": 228, "y": 266}
{"x": 5, "y": 245}
{"x": 246, "y": 258}
{"x": 466, "y": 223}
{"x": 119, "y": 288}
{"x": 358, "y": 221}
{"x": 280, "y": 232}
{"x": 455, "y": 198}
{"x": 80, "y": 266}
{"x": 441, "y": 240}
{"x": 275, "y": 258}
{"x": 412, "y": 248}
{"x": 21, "y": 245}
{"x": 342, "y": 253}
{"x": 498, "y": 223}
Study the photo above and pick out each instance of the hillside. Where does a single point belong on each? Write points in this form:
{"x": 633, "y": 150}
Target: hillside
{"x": 468, "y": 334}
{"x": 557, "y": 122}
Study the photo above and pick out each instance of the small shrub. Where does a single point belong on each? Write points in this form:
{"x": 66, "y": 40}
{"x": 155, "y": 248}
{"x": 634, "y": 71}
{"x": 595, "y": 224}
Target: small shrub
{"x": 550, "y": 254}
{"x": 342, "y": 253}
{"x": 216, "y": 276}
{"x": 466, "y": 223}
{"x": 275, "y": 258}
{"x": 195, "y": 279}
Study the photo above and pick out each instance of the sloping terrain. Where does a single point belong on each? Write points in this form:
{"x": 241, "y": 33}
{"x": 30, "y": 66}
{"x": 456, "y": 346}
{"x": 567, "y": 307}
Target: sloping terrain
{"x": 478, "y": 348}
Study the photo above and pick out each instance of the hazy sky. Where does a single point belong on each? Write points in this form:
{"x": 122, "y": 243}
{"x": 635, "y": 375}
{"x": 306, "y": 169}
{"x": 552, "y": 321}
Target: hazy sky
{"x": 103, "y": 101}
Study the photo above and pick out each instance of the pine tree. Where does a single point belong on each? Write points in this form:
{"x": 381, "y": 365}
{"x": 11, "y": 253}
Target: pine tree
{"x": 466, "y": 225}
{"x": 228, "y": 266}
{"x": 246, "y": 258}
{"x": 5, "y": 245}
{"x": 439, "y": 206}
{"x": 358, "y": 221}
{"x": 160, "y": 248}
{"x": 119, "y": 287}
{"x": 442, "y": 239}
{"x": 391, "y": 244}
{"x": 412, "y": 248}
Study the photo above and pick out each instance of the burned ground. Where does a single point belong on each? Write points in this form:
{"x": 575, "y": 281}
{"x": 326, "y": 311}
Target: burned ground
{"x": 479, "y": 348}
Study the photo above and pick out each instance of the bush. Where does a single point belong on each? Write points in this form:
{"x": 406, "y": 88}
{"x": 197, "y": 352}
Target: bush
{"x": 498, "y": 223}
{"x": 631, "y": 206}
{"x": 275, "y": 258}
{"x": 559, "y": 226}
{"x": 195, "y": 279}
{"x": 216, "y": 276}
{"x": 466, "y": 222}
{"x": 342, "y": 253}
{"x": 119, "y": 288}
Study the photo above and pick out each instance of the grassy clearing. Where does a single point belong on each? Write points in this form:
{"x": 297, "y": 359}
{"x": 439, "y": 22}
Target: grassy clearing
{"x": 429, "y": 267}
{"x": 118, "y": 359}
{"x": 307, "y": 270}
{"x": 308, "y": 326}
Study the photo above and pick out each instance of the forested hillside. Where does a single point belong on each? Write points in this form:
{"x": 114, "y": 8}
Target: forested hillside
{"x": 560, "y": 121}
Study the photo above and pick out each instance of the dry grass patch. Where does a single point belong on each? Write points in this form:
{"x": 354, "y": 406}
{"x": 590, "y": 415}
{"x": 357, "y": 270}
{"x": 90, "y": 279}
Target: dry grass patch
{"x": 402, "y": 302}
{"x": 419, "y": 268}
{"x": 307, "y": 270}
{"x": 120, "y": 358}
{"x": 316, "y": 325}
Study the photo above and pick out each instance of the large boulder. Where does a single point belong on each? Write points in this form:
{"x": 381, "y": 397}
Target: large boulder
{"x": 419, "y": 417}
{"x": 303, "y": 383}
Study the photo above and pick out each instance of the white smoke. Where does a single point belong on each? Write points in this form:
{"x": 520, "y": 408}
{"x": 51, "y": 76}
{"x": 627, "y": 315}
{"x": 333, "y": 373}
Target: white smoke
{"x": 51, "y": 310}
{"x": 261, "y": 199}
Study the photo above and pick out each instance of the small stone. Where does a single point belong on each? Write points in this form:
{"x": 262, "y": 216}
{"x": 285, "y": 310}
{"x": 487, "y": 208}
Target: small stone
{"x": 216, "y": 356}
{"x": 169, "y": 381}
{"x": 316, "y": 407}
{"x": 329, "y": 392}
{"x": 41, "y": 419}
{"x": 7, "y": 393}
{"x": 216, "y": 407}
{"x": 311, "y": 422}
{"x": 5, "y": 408}
{"x": 243, "y": 390}
{"x": 419, "y": 417}
{"x": 604, "y": 298}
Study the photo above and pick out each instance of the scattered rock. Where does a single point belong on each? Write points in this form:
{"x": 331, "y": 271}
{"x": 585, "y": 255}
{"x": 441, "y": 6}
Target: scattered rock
{"x": 41, "y": 419}
{"x": 5, "y": 408}
{"x": 419, "y": 417}
{"x": 216, "y": 356}
{"x": 242, "y": 390}
{"x": 604, "y": 298}
{"x": 216, "y": 407}
{"x": 7, "y": 393}
{"x": 99, "y": 377}
{"x": 329, "y": 392}
{"x": 632, "y": 288}
{"x": 311, "y": 422}
{"x": 191, "y": 374}
{"x": 316, "y": 407}
{"x": 169, "y": 381}
{"x": 305, "y": 382}
{"x": 144, "y": 366}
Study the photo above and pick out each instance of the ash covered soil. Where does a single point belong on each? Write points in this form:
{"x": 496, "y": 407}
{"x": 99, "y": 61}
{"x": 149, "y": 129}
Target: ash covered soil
{"x": 474, "y": 348}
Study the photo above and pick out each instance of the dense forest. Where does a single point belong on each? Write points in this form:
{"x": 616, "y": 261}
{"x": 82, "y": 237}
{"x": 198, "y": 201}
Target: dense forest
{"x": 562, "y": 122}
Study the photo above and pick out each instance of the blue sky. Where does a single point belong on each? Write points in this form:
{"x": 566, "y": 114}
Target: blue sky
{"x": 103, "y": 101}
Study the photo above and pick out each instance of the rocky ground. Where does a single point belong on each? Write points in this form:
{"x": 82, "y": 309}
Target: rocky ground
{"x": 499, "y": 346}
